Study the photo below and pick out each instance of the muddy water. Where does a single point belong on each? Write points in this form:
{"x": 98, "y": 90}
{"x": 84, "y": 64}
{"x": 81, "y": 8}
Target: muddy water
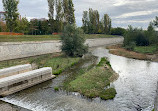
{"x": 136, "y": 88}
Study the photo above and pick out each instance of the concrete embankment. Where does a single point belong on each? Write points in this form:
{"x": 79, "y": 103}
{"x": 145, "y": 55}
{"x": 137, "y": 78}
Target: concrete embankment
{"x": 14, "y": 50}
{"x": 20, "y": 81}
{"x": 15, "y": 70}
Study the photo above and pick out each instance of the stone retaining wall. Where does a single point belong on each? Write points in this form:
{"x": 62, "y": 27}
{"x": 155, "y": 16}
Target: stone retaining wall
{"x": 14, "y": 50}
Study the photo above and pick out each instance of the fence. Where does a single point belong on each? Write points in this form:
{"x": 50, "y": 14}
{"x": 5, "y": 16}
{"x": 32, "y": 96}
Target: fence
{"x": 10, "y": 33}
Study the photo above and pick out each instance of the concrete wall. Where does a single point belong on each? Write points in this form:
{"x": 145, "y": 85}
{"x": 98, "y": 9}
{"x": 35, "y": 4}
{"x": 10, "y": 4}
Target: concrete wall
{"x": 13, "y": 50}
{"x": 15, "y": 70}
{"x": 15, "y": 83}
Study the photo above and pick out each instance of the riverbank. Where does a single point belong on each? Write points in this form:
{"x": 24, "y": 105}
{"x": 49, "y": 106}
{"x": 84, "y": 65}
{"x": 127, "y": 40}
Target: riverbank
{"x": 24, "y": 38}
{"x": 93, "y": 81}
{"x": 57, "y": 61}
{"x": 139, "y": 53}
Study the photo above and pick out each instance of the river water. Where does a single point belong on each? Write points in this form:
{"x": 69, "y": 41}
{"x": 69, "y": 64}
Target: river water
{"x": 136, "y": 89}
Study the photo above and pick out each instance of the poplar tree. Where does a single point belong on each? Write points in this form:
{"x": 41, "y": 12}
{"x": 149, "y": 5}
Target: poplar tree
{"x": 51, "y": 4}
{"x": 107, "y": 23}
{"x": 71, "y": 10}
{"x": 11, "y": 15}
{"x": 65, "y": 9}
{"x": 59, "y": 15}
{"x": 156, "y": 21}
{"x": 85, "y": 21}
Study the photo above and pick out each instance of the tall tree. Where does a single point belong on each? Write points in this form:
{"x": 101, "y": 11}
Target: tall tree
{"x": 22, "y": 26}
{"x": 51, "y": 5}
{"x": 11, "y": 7}
{"x": 85, "y": 21}
{"x": 156, "y": 21}
{"x": 59, "y": 15}
{"x": 66, "y": 10}
{"x": 107, "y": 23}
{"x": 71, "y": 10}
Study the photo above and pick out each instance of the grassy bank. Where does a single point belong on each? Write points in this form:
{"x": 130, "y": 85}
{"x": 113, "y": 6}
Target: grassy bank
{"x": 57, "y": 61}
{"x": 146, "y": 49}
{"x": 141, "y": 53}
{"x": 20, "y": 38}
{"x": 92, "y": 82}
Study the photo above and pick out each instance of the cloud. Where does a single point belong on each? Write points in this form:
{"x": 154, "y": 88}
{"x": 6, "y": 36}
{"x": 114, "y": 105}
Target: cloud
{"x": 123, "y": 12}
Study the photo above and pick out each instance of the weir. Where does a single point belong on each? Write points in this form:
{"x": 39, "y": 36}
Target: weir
{"x": 6, "y": 72}
{"x": 19, "y": 81}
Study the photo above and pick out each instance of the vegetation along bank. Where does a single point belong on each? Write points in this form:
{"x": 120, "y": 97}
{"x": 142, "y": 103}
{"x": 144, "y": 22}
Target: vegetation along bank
{"x": 94, "y": 81}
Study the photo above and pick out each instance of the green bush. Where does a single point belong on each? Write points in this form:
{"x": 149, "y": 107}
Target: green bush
{"x": 108, "y": 94}
{"x": 104, "y": 61}
{"x": 135, "y": 35}
{"x": 73, "y": 41}
{"x": 56, "y": 88}
{"x": 118, "y": 31}
{"x": 131, "y": 46}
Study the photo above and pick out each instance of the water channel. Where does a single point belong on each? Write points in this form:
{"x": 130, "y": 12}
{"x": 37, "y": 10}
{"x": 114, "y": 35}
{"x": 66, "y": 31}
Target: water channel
{"x": 136, "y": 89}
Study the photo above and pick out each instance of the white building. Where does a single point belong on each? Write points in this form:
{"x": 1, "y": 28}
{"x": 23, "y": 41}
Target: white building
{"x": 2, "y": 17}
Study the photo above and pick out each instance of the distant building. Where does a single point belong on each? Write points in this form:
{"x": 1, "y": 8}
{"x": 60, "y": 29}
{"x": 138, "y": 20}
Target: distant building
{"x": 40, "y": 19}
{"x": 2, "y": 17}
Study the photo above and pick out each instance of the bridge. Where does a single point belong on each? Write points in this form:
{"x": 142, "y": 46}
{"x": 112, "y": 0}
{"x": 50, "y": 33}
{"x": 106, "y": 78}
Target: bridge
{"x": 20, "y": 77}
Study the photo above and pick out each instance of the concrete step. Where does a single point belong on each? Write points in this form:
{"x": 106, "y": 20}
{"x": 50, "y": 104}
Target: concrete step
{"x": 6, "y": 72}
{"x": 15, "y": 83}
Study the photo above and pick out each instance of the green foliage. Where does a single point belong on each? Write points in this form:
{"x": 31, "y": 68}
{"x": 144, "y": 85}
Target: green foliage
{"x": 64, "y": 14}
{"x": 71, "y": 10}
{"x": 38, "y": 27}
{"x": 108, "y": 94}
{"x": 91, "y": 82}
{"x": 118, "y": 31}
{"x": 73, "y": 41}
{"x": 146, "y": 49}
{"x": 139, "y": 37}
{"x": 11, "y": 7}
{"x": 59, "y": 64}
{"x": 22, "y": 26}
{"x": 151, "y": 35}
{"x": 103, "y": 62}
{"x": 107, "y": 24}
{"x": 56, "y": 88}
{"x": 130, "y": 46}
{"x": 155, "y": 22}
{"x": 135, "y": 35}
{"x": 92, "y": 23}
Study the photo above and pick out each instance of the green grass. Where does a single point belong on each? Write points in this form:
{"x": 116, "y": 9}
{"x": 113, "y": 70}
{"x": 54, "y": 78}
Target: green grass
{"x": 58, "y": 63}
{"x": 20, "y": 38}
{"x": 146, "y": 49}
{"x": 92, "y": 83}
{"x": 103, "y": 61}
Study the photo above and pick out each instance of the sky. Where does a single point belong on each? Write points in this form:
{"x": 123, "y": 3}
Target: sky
{"x": 137, "y": 13}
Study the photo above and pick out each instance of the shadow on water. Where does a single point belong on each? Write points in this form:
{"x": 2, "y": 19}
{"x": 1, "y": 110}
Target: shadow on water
{"x": 136, "y": 88}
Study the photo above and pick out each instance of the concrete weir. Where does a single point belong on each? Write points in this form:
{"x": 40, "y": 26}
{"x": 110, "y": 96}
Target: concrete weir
{"x": 18, "y": 82}
{"x": 15, "y": 70}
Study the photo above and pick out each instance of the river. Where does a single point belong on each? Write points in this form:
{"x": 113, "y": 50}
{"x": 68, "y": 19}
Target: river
{"x": 136, "y": 89}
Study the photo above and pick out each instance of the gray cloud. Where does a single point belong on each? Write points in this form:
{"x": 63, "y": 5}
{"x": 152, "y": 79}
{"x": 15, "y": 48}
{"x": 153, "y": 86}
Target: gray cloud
{"x": 123, "y": 12}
